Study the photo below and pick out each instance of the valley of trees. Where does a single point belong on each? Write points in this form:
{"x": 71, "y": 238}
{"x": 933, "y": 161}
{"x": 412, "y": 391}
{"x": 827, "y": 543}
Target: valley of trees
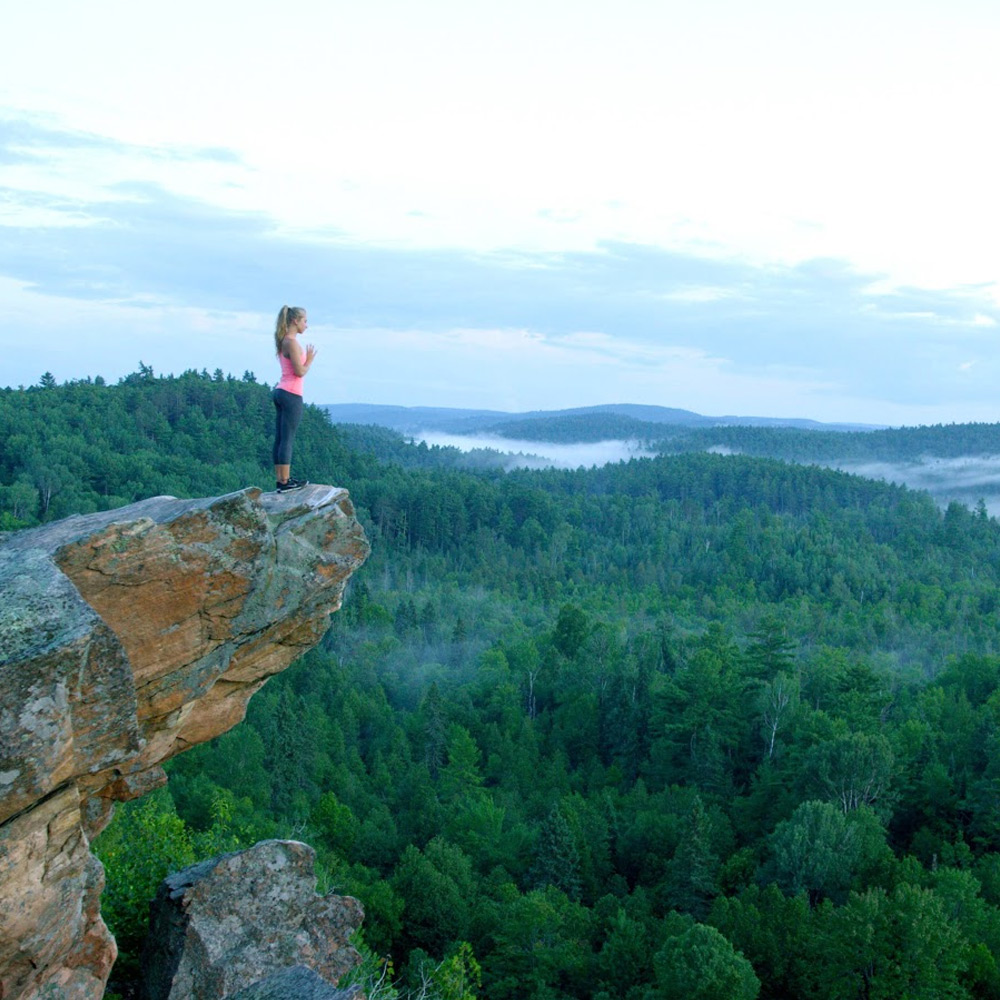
{"x": 697, "y": 726}
{"x": 823, "y": 446}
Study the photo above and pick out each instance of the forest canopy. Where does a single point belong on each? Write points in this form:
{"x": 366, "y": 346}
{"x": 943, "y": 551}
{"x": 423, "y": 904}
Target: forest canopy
{"x": 699, "y": 725}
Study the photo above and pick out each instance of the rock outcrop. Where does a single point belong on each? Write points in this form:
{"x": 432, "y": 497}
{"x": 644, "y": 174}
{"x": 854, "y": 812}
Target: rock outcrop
{"x": 125, "y": 638}
{"x": 296, "y": 983}
{"x": 223, "y": 925}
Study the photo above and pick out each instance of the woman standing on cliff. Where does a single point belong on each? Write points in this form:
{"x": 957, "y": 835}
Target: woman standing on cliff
{"x": 287, "y": 395}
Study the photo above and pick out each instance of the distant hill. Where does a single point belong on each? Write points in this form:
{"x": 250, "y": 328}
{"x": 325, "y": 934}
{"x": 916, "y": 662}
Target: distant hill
{"x": 411, "y": 419}
{"x": 585, "y": 423}
{"x": 959, "y": 462}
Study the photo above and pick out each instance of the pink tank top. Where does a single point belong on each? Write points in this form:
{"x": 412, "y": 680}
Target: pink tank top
{"x": 290, "y": 382}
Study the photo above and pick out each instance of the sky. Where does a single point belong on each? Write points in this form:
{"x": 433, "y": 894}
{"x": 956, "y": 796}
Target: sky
{"x": 762, "y": 208}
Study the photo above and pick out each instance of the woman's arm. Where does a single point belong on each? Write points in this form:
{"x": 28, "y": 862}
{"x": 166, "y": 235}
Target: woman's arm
{"x": 301, "y": 360}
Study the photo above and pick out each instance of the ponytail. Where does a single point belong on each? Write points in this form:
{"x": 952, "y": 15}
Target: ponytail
{"x": 288, "y": 314}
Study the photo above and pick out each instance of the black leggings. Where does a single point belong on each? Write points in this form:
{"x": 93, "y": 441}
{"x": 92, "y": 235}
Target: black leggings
{"x": 289, "y": 413}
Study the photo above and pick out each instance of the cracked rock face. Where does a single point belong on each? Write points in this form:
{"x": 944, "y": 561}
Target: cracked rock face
{"x": 223, "y": 925}
{"x": 126, "y": 637}
{"x": 296, "y": 983}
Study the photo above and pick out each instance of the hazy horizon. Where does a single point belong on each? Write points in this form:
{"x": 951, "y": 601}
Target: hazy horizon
{"x": 582, "y": 407}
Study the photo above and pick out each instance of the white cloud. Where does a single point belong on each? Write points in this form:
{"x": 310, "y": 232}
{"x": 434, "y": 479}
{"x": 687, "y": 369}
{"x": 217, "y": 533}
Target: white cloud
{"x": 700, "y": 295}
{"x": 774, "y": 131}
{"x": 98, "y": 337}
{"x": 519, "y": 370}
{"x": 928, "y": 316}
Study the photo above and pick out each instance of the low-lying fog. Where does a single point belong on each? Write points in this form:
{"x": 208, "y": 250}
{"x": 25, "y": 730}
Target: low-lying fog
{"x": 966, "y": 479}
{"x": 540, "y": 454}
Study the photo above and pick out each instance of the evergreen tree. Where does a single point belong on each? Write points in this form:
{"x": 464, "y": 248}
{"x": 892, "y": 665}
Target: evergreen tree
{"x": 461, "y": 776}
{"x": 572, "y": 628}
{"x": 770, "y": 651}
{"x": 435, "y": 731}
{"x": 557, "y": 859}
{"x": 694, "y": 866}
{"x": 889, "y": 944}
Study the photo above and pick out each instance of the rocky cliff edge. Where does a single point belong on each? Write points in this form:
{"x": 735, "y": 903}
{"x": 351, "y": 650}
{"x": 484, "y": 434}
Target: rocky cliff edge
{"x": 126, "y": 637}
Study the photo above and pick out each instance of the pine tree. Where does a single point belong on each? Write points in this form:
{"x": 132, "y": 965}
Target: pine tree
{"x": 692, "y": 883}
{"x": 558, "y": 860}
{"x": 435, "y": 731}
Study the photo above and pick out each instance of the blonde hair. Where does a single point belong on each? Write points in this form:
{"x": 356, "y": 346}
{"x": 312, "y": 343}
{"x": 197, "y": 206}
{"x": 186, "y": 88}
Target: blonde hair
{"x": 287, "y": 316}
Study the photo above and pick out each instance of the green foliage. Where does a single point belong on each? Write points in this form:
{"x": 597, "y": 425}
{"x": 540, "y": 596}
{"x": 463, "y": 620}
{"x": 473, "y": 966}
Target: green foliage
{"x": 891, "y": 445}
{"x": 890, "y": 944}
{"x": 701, "y": 964}
{"x": 564, "y": 715}
{"x": 822, "y": 851}
{"x": 572, "y": 627}
{"x": 334, "y": 824}
{"x": 853, "y": 770}
{"x": 459, "y": 976}
{"x": 541, "y": 946}
{"x": 692, "y": 883}
{"x": 771, "y": 930}
{"x": 145, "y": 843}
{"x": 460, "y": 777}
{"x": 436, "y": 888}
{"x": 557, "y": 860}
{"x": 86, "y": 446}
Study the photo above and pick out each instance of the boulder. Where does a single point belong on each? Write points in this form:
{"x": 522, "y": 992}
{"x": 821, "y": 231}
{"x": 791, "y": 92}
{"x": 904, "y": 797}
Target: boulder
{"x": 126, "y": 637}
{"x": 297, "y": 983}
{"x": 225, "y": 924}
